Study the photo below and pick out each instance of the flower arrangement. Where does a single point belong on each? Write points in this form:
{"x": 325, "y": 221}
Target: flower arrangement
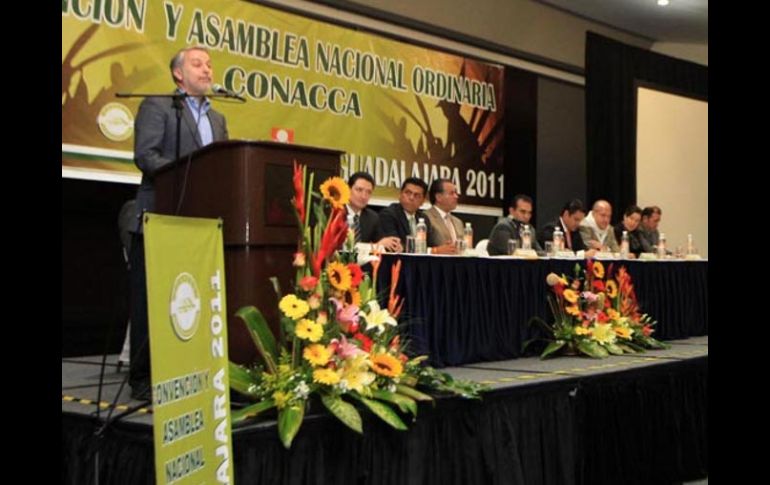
{"x": 597, "y": 314}
{"x": 335, "y": 340}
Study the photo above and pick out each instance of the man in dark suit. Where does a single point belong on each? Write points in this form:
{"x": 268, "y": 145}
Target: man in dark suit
{"x": 155, "y": 141}
{"x": 400, "y": 218}
{"x": 365, "y": 221}
{"x": 572, "y": 214}
{"x": 519, "y": 213}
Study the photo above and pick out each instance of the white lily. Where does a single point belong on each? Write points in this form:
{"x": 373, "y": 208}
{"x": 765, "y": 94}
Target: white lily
{"x": 377, "y": 318}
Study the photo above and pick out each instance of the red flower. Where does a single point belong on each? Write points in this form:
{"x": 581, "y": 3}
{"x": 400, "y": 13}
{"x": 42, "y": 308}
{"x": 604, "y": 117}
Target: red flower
{"x": 598, "y": 285}
{"x": 308, "y": 283}
{"x": 647, "y": 330}
{"x": 602, "y": 317}
{"x": 356, "y": 274}
{"x": 366, "y": 342}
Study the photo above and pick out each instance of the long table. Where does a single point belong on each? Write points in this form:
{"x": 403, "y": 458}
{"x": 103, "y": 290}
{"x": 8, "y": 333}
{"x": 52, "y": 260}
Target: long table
{"x": 460, "y": 310}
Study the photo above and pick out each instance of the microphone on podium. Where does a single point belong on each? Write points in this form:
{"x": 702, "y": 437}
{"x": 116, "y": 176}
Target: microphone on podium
{"x": 219, "y": 89}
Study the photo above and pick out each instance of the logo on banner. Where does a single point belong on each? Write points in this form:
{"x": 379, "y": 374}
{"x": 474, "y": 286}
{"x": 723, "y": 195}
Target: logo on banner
{"x": 283, "y": 135}
{"x": 185, "y": 306}
{"x": 116, "y": 122}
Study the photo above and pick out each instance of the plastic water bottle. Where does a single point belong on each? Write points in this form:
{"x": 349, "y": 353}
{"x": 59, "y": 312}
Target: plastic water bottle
{"x": 690, "y": 245}
{"x": 624, "y": 245}
{"x": 526, "y": 237}
{"x": 421, "y": 237}
{"x": 558, "y": 240}
{"x": 662, "y": 246}
{"x": 468, "y": 235}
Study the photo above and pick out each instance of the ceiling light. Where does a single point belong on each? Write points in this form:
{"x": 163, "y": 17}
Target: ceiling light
{"x": 662, "y": 3}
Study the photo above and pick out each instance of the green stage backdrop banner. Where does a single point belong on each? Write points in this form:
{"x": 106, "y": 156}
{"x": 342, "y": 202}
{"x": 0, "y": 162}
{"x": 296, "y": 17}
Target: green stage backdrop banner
{"x": 188, "y": 348}
{"x": 395, "y": 109}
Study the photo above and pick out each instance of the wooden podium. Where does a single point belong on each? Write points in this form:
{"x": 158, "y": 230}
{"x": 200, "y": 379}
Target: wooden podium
{"x": 249, "y": 185}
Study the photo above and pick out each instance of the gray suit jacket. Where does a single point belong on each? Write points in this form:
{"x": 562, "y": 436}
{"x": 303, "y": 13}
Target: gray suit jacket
{"x": 440, "y": 232}
{"x": 155, "y": 144}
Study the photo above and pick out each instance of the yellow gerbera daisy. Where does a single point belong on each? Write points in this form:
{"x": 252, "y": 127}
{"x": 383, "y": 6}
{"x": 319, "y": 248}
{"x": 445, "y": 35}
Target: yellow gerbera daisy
{"x": 339, "y": 275}
{"x": 580, "y": 330}
{"x": 309, "y": 330}
{"x": 612, "y": 288}
{"x": 326, "y": 376}
{"x": 387, "y": 365}
{"x": 598, "y": 269}
{"x": 336, "y": 191}
{"x": 317, "y": 354}
{"x": 293, "y": 307}
{"x": 570, "y": 295}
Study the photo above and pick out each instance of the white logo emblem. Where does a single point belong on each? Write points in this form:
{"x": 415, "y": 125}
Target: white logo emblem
{"x": 116, "y": 122}
{"x": 185, "y": 306}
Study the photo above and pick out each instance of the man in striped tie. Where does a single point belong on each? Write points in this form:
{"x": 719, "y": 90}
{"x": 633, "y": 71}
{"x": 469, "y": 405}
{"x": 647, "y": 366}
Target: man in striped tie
{"x": 447, "y": 228}
{"x": 366, "y": 222}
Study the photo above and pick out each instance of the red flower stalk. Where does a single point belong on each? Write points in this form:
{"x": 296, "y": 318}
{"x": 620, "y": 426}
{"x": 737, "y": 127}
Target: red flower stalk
{"x": 395, "y": 303}
{"x": 333, "y": 237}
{"x": 299, "y": 192}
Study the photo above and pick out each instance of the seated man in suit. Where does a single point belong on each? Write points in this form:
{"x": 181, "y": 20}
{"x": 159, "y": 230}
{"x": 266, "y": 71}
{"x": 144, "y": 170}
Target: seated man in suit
{"x": 509, "y": 227}
{"x": 572, "y": 214}
{"x": 400, "y": 218}
{"x": 366, "y": 222}
{"x": 446, "y": 227}
{"x": 649, "y": 228}
{"x": 595, "y": 229}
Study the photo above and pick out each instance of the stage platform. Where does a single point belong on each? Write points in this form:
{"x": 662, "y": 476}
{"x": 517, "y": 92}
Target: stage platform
{"x": 639, "y": 418}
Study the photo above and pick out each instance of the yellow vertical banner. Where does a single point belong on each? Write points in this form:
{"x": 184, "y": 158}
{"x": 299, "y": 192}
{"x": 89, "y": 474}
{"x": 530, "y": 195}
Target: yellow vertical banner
{"x": 188, "y": 349}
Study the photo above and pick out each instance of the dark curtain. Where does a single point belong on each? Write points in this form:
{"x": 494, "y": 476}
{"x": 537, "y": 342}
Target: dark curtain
{"x": 612, "y": 71}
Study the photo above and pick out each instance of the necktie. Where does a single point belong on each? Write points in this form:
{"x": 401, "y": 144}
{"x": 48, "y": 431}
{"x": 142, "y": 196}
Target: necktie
{"x": 412, "y": 225}
{"x": 451, "y": 227}
{"x": 357, "y": 227}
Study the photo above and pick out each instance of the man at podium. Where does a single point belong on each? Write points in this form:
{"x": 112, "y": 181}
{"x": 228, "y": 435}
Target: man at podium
{"x": 156, "y": 139}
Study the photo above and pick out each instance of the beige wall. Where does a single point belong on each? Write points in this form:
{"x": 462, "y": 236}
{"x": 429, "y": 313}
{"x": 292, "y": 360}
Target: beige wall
{"x": 698, "y": 53}
{"x": 672, "y": 164}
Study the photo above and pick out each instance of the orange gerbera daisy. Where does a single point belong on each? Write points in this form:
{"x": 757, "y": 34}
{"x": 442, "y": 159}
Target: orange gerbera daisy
{"x": 611, "y": 288}
{"x": 387, "y": 365}
{"x": 570, "y": 295}
{"x": 336, "y": 191}
{"x": 339, "y": 276}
